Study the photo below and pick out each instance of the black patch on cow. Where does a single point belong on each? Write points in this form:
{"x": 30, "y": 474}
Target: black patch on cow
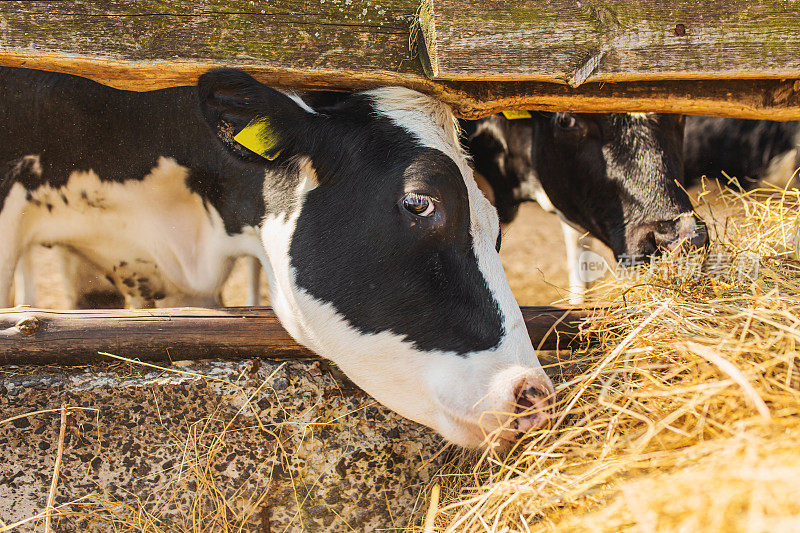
{"x": 100, "y": 299}
{"x": 74, "y": 124}
{"x": 394, "y": 272}
{"x": 22, "y": 169}
{"x": 501, "y": 151}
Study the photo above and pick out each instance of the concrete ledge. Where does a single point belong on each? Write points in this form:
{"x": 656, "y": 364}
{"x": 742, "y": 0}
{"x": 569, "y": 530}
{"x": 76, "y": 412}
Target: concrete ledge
{"x": 273, "y": 446}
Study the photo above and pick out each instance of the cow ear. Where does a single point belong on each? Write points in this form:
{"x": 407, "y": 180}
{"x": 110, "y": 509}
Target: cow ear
{"x": 251, "y": 120}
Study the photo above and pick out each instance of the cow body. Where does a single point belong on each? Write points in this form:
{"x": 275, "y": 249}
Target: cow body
{"x": 379, "y": 247}
{"x": 132, "y": 189}
{"x": 748, "y": 150}
{"x": 615, "y": 176}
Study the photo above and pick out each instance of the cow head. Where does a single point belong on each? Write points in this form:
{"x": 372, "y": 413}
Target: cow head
{"x": 382, "y": 252}
{"x": 616, "y": 175}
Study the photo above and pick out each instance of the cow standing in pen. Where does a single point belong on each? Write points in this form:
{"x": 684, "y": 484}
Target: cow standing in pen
{"x": 381, "y": 250}
{"x": 615, "y": 176}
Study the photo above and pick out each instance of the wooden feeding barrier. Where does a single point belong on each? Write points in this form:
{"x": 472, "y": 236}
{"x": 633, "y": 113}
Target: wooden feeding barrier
{"x": 740, "y": 58}
{"x": 34, "y": 336}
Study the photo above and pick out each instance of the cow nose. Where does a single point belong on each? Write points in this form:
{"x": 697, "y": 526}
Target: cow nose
{"x": 534, "y": 400}
{"x": 687, "y": 232}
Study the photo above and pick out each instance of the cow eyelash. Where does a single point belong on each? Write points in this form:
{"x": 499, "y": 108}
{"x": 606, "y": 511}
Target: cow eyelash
{"x": 418, "y": 204}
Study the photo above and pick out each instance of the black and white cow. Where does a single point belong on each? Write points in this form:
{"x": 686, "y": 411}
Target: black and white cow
{"x": 748, "y": 150}
{"x": 379, "y": 245}
{"x": 616, "y": 176}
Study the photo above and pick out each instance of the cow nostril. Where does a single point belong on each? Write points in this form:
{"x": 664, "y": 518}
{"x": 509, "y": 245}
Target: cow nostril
{"x": 534, "y": 404}
{"x": 666, "y": 239}
{"x": 685, "y": 233}
{"x": 699, "y": 239}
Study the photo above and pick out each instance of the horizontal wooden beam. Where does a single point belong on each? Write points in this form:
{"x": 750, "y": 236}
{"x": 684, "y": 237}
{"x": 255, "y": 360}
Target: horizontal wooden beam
{"x": 755, "y": 99}
{"x": 35, "y": 336}
{"x": 564, "y": 41}
{"x": 335, "y": 44}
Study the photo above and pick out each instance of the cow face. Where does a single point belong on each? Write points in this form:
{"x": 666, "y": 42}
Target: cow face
{"x": 615, "y": 175}
{"x": 382, "y": 253}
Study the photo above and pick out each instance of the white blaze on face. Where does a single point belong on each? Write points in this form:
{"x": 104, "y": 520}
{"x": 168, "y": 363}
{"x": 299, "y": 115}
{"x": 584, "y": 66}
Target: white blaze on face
{"x": 463, "y": 398}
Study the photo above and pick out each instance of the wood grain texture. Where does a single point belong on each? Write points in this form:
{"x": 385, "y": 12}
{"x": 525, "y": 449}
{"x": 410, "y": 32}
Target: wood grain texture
{"x": 755, "y": 99}
{"x": 299, "y": 34}
{"x": 330, "y": 44}
{"x": 572, "y": 42}
{"x": 35, "y": 336}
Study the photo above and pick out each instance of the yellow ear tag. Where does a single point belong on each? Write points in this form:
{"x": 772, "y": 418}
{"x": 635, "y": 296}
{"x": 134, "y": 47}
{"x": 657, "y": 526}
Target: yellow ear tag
{"x": 512, "y": 114}
{"x": 258, "y": 137}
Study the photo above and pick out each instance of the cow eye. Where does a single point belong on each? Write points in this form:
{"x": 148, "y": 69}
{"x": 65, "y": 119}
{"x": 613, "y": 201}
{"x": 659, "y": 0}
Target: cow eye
{"x": 566, "y": 121}
{"x": 418, "y": 204}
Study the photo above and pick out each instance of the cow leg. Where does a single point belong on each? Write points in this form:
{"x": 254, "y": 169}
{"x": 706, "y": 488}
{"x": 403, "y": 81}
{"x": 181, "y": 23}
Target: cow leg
{"x": 25, "y": 279}
{"x": 85, "y": 284}
{"x": 576, "y": 243}
{"x": 253, "y": 280}
{"x": 9, "y": 257}
{"x": 11, "y": 240}
{"x": 70, "y": 266}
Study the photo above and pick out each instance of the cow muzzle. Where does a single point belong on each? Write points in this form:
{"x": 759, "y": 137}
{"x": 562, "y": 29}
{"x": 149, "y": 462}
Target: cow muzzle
{"x": 519, "y": 399}
{"x": 684, "y": 234}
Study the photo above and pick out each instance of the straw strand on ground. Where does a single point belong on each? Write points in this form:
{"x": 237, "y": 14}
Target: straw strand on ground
{"x": 51, "y": 497}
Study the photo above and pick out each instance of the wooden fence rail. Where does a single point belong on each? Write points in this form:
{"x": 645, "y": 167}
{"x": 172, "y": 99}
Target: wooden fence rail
{"x": 36, "y": 336}
{"x": 737, "y": 58}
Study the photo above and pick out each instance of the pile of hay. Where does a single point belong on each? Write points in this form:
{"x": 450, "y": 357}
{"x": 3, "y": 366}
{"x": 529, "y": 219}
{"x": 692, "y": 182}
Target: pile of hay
{"x": 685, "y": 415}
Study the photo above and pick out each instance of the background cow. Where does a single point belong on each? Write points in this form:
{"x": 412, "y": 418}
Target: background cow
{"x": 380, "y": 247}
{"x": 616, "y": 176}
{"x": 747, "y": 150}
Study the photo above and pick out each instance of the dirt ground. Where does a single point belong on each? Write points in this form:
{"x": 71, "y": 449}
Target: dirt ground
{"x": 532, "y": 254}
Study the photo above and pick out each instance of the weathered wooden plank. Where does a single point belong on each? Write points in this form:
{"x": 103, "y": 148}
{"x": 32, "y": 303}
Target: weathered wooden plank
{"x": 361, "y": 44}
{"x": 152, "y": 44}
{"x": 756, "y": 99}
{"x": 611, "y": 40}
{"x": 35, "y": 336}
{"x": 308, "y": 34}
